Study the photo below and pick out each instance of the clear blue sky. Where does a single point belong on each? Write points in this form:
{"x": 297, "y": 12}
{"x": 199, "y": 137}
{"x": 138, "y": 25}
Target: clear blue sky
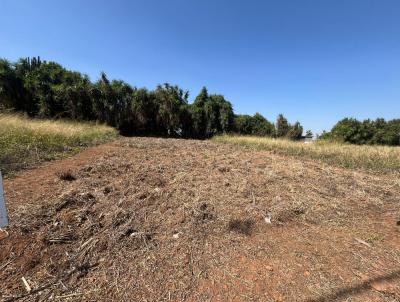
{"x": 316, "y": 61}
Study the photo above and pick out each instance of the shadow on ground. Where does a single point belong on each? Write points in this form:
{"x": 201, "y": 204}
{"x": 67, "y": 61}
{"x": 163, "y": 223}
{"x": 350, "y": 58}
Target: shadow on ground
{"x": 356, "y": 289}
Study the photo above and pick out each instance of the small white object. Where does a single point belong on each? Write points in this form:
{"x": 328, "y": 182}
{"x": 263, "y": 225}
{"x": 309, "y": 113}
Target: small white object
{"x": 3, "y": 209}
{"x": 362, "y": 242}
{"x": 175, "y": 236}
{"x": 267, "y": 218}
{"x": 26, "y": 284}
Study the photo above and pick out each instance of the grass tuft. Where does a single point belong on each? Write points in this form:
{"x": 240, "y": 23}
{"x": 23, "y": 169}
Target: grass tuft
{"x": 25, "y": 142}
{"x": 383, "y": 159}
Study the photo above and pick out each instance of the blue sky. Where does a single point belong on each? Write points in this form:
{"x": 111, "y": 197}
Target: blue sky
{"x": 316, "y": 61}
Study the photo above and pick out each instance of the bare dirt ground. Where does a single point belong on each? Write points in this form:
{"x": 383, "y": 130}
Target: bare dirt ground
{"x": 146, "y": 219}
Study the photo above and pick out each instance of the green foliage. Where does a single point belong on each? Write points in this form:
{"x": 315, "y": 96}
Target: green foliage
{"x": 285, "y": 130}
{"x": 47, "y": 90}
{"x": 144, "y": 110}
{"x": 199, "y": 115}
{"x": 171, "y": 100}
{"x": 211, "y": 114}
{"x": 262, "y": 127}
{"x": 282, "y": 126}
{"x": 12, "y": 90}
{"x": 378, "y": 132}
{"x": 295, "y": 131}
{"x": 243, "y": 124}
{"x": 226, "y": 115}
{"x": 254, "y": 125}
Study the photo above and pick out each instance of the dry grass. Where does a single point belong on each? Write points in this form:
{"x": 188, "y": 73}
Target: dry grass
{"x": 372, "y": 158}
{"x": 151, "y": 219}
{"x": 66, "y": 175}
{"x": 25, "y": 142}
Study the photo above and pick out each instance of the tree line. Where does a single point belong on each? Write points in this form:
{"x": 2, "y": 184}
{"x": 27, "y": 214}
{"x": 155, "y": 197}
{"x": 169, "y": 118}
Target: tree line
{"x": 47, "y": 90}
{"x": 373, "y": 132}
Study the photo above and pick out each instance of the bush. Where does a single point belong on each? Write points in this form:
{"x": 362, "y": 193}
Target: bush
{"x": 379, "y": 132}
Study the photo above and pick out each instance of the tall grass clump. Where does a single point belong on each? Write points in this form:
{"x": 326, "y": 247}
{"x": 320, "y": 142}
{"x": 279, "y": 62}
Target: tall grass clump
{"x": 25, "y": 142}
{"x": 366, "y": 157}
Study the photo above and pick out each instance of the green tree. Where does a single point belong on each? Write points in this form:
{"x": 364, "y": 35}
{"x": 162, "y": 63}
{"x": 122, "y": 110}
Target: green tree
{"x": 171, "y": 100}
{"x": 211, "y": 114}
{"x": 104, "y": 100}
{"x": 295, "y": 131}
{"x": 243, "y": 124}
{"x": 144, "y": 112}
{"x": 12, "y": 91}
{"x": 282, "y": 126}
{"x": 219, "y": 114}
{"x": 347, "y": 130}
{"x": 47, "y": 89}
{"x": 261, "y": 126}
{"x": 198, "y": 113}
{"x": 226, "y": 115}
{"x": 353, "y": 131}
{"x": 123, "y": 98}
{"x": 391, "y": 133}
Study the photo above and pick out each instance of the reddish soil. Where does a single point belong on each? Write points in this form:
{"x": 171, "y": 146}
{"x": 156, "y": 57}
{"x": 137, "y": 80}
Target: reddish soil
{"x": 147, "y": 219}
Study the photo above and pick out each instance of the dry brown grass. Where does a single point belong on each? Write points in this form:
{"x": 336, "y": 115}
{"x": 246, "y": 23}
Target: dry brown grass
{"x": 373, "y": 158}
{"x": 25, "y": 142}
{"x": 66, "y": 175}
{"x": 152, "y": 219}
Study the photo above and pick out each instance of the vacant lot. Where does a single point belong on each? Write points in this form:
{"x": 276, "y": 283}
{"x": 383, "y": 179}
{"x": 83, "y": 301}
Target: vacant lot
{"x": 382, "y": 159}
{"x": 145, "y": 219}
{"x": 26, "y": 142}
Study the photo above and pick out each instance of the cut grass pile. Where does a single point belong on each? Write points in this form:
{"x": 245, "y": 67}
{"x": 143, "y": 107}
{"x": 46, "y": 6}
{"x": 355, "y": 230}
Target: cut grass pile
{"x": 25, "y": 142}
{"x": 372, "y": 158}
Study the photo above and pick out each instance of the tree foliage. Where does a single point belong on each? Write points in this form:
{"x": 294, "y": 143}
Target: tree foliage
{"x": 48, "y": 90}
{"x": 295, "y": 131}
{"x": 378, "y": 132}
{"x": 254, "y": 125}
{"x": 282, "y": 126}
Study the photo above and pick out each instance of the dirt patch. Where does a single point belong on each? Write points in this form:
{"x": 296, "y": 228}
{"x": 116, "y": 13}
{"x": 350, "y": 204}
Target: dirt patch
{"x": 151, "y": 219}
{"x": 66, "y": 175}
{"x": 242, "y": 226}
